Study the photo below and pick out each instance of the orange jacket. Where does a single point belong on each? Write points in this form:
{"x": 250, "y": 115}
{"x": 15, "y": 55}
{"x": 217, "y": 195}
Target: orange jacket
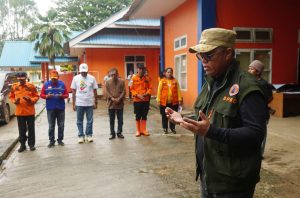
{"x": 140, "y": 86}
{"x": 168, "y": 92}
{"x": 24, "y": 108}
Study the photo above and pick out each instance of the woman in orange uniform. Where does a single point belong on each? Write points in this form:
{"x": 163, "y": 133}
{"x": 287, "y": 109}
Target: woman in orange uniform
{"x": 141, "y": 91}
{"x": 168, "y": 95}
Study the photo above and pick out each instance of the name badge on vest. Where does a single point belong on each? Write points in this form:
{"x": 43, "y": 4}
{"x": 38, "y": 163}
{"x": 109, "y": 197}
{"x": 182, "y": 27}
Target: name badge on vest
{"x": 234, "y": 90}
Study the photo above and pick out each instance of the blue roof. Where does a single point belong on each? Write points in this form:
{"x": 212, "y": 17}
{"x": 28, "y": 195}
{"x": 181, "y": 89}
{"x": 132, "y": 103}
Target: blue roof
{"x": 125, "y": 37}
{"x": 41, "y": 59}
{"x": 140, "y": 22}
{"x": 22, "y": 54}
{"x": 74, "y": 34}
{"x": 16, "y": 53}
{"x": 129, "y": 40}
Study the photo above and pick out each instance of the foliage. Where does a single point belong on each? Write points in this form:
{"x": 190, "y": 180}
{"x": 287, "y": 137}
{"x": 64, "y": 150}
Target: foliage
{"x": 16, "y": 18}
{"x": 81, "y": 15}
{"x": 49, "y": 35}
{"x": 66, "y": 68}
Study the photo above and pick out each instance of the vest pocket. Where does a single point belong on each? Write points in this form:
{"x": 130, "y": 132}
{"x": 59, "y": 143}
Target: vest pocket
{"x": 225, "y": 163}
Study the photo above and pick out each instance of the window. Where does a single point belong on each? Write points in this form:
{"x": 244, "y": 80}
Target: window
{"x": 263, "y": 35}
{"x": 253, "y": 34}
{"x": 131, "y": 63}
{"x": 246, "y": 56}
{"x": 180, "y": 42}
{"x": 181, "y": 70}
{"x": 243, "y": 34}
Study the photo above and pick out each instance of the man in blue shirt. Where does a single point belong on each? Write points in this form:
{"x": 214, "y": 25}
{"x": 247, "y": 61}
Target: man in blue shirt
{"x": 54, "y": 91}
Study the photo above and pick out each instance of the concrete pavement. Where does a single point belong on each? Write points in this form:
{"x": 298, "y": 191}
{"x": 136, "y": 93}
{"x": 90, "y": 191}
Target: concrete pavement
{"x": 155, "y": 166}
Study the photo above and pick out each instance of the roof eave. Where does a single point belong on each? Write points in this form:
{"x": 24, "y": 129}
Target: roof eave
{"x": 79, "y": 45}
{"x": 133, "y": 27}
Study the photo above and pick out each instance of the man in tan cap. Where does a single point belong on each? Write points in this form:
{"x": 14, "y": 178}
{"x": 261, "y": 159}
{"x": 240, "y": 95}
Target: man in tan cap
{"x": 230, "y": 120}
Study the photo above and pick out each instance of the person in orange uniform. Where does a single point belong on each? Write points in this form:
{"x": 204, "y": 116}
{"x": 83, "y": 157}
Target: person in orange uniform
{"x": 25, "y": 95}
{"x": 141, "y": 91}
{"x": 168, "y": 95}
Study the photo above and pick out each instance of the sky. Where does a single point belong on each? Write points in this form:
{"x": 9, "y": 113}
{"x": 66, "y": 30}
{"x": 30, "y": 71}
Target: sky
{"x": 44, "y": 5}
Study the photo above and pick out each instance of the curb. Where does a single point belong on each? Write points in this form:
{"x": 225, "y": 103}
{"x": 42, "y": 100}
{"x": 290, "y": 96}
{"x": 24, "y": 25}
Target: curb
{"x": 14, "y": 143}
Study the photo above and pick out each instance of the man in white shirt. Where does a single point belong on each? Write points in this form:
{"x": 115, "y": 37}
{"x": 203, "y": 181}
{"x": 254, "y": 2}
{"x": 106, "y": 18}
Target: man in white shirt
{"x": 84, "y": 93}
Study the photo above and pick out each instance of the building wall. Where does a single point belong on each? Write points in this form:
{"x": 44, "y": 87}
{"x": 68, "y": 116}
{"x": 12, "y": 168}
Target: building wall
{"x": 282, "y": 16}
{"x": 100, "y": 61}
{"x": 183, "y": 21}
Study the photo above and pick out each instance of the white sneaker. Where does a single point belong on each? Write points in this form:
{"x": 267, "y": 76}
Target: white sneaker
{"x": 80, "y": 140}
{"x": 89, "y": 139}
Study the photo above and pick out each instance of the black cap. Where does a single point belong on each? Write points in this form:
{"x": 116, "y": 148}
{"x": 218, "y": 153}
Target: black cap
{"x": 21, "y": 75}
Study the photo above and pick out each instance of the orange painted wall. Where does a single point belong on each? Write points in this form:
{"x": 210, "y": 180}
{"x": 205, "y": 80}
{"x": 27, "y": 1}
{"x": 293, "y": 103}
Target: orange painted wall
{"x": 282, "y": 16}
{"x": 183, "y": 21}
{"x": 100, "y": 61}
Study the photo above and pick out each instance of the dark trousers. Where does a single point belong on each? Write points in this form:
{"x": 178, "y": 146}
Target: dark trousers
{"x": 59, "y": 116}
{"x": 242, "y": 194}
{"x": 112, "y": 115}
{"x": 164, "y": 119}
{"x": 141, "y": 110}
{"x": 26, "y": 123}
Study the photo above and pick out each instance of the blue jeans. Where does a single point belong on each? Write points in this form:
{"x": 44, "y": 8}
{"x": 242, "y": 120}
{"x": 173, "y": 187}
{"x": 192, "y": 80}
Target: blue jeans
{"x": 88, "y": 110}
{"x": 52, "y": 116}
{"x": 112, "y": 115}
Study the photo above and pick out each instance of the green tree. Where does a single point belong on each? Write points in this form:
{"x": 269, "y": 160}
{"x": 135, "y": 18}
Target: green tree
{"x": 49, "y": 36}
{"x": 16, "y": 18}
{"x": 81, "y": 15}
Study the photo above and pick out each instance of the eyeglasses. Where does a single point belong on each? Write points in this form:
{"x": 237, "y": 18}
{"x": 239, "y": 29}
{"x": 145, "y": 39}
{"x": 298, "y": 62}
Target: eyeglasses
{"x": 207, "y": 56}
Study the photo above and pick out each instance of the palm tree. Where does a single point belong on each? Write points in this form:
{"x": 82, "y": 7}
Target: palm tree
{"x": 49, "y": 36}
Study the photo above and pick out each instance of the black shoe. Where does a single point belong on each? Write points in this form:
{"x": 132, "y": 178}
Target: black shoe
{"x": 61, "y": 143}
{"x": 51, "y": 144}
{"x": 173, "y": 131}
{"x": 165, "y": 131}
{"x": 21, "y": 149}
{"x": 112, "y": 137}
{"x": 32, "y": 148}
{"x": 120, "y": 135}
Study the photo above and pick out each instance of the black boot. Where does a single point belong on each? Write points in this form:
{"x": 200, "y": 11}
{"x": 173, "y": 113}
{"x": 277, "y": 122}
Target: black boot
{"x": 22, "y": 148}
{"x": 165, "y": 130}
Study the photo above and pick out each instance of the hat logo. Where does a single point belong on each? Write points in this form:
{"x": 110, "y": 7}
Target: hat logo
{"x": 234, "y": 90}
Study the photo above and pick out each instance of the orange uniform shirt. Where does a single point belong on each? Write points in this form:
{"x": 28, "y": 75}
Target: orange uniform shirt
{"x": 140, "y": 86}
{"x": 168, "y": 92}
{"x": 24, "y": 108}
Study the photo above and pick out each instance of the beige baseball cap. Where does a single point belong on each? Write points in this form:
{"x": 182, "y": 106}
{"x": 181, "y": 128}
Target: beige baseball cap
{"x": 213, "y": 38}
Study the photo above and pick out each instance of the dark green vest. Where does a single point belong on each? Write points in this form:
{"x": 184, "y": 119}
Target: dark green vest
{"x": 228, "y": 168}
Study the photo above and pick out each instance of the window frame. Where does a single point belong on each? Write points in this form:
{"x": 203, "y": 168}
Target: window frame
{"x": 252, "y": 50}
{"x": 134, "y": 64}
{"x": 186, "y": 71}
{"x": 244, "y": 29}
{"x": 252, "y": 34}
{"x": 179, "y": 40}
